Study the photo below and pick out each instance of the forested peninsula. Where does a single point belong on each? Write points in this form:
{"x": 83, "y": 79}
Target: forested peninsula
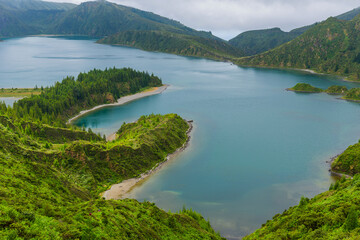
{"x": 175, "y": 43}
{"x": 53, "y": 173}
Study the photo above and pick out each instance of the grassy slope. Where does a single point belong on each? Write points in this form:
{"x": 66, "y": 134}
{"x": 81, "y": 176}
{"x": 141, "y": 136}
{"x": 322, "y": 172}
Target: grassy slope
{"x": 51, "y": 190}
{"x": 19, "y": 92}
{"x": 168, "y": 42}
{"x": 330, "y": 47}
{"x": 329, "y": 215}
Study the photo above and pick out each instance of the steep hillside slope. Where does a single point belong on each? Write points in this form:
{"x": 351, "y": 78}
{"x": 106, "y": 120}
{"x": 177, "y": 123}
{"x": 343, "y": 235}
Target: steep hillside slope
{"x": 168, "y": 42}
{"x": 254, "y": 42}
{"x": 103, "y": 18}
{"x": 259, "y": 41}
{"x": 332, "y": 46}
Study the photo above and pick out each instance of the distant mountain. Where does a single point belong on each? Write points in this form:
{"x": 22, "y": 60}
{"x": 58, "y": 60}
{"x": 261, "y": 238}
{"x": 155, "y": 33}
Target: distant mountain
{"x": 175, "y": 43}
{"x": 34, "y": 5}
{"x": 28, "y": 17}
{"x": 103, "y": 18}
{"x": 11, "y": 25}
{"x": 254, "y": 42}
{"x": 332, "y": 46}
{"x": 259, "y": 41}
{"x": 349, "y": 15}
{"x": 96, "y": 18}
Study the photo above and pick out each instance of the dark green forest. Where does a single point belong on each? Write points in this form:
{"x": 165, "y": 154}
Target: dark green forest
{"x": 329, "y": 47}
{"x": 50, "y": 186}
{"x": 93, "y": 18}
{"x": 259, "y": 41}
{"x": 65, "y": 99}
{"x": 180, "y": 44}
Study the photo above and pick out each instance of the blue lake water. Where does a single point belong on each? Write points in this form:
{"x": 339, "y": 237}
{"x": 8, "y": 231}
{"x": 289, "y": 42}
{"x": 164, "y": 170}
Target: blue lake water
{"x": 255, "y": 149}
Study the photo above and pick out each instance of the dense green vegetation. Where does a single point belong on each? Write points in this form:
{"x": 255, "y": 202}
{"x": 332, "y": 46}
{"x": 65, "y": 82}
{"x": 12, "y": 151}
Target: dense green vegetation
{"x": 353, "y": 94}
{"x": 51, "y": 179}
{"x": 331, "y": 215}
{"x": 330, "y": 47}
{"x": 96, "y": 18}
{"x": 175, "y": 43}
{"x": 103, "y": 18}
{"x": 258, "y": 41}
{"x": 305, "y": 88}
{"x": 58, "y": 103}
{"x": 349, "y": 161}
{"x": 349, "y": 15}
{"x": 336, "y": 90}
{"x": 25, "y": 5}
{"x": 11, "y": 25}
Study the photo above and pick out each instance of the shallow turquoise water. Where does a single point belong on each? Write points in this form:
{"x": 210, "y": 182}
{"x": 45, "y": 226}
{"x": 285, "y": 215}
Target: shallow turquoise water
{"x": 256, "y": 148}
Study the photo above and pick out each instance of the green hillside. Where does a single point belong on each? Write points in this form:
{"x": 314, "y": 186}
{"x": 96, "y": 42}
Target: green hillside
{"x": 93, "y": 18}
{"x": 349, "y": 15}
{"x": 329, "y": 47}
{"x": 333, "y": 214}
{"x": 52, "y": 177}
{"x": 103, "y": 18}
{"x": 169, "y": 42}
{"x": 259, "y": 41}
{"x": 24, "y": 5}
{"x": 349, "y": 161}
{"x": 11, "y": 25}
{"x": 50, "y": 188}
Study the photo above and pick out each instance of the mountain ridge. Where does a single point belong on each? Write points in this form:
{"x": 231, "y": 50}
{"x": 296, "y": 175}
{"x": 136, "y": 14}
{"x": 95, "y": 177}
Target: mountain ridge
{"x": 331, "y": 46}
{"x": 258, "y": 41}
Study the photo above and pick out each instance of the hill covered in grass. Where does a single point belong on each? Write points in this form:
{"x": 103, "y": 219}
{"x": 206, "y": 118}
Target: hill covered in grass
{"x": 330, "y": 47}
{"x": 175, "y": 43}
{"x": 52, "y": 177}
{"x": 49, "y": 187}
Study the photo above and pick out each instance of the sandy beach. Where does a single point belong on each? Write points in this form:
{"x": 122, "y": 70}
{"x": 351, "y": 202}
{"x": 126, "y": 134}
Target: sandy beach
{"x": 123, "y": 100}
{"x": 118, "y": 191}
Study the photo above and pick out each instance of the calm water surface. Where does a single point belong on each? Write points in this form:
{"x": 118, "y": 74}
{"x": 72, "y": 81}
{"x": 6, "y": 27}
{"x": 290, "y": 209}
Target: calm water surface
{"x": 256, "y": 148}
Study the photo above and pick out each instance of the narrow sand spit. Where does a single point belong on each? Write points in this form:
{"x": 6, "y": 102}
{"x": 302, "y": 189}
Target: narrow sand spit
{"x": 118, "y": 191}
{"x": 123, "y": 100}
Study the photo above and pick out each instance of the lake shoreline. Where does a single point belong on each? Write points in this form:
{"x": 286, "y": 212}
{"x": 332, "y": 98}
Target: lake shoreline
{"x": 119, "y": 191}
{"x": 121, "y": 101}
{"x": 336, "y": 174}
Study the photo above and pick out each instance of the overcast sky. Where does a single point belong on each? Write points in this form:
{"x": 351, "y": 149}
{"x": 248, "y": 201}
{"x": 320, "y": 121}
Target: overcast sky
{"x": 227, "y": 18}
